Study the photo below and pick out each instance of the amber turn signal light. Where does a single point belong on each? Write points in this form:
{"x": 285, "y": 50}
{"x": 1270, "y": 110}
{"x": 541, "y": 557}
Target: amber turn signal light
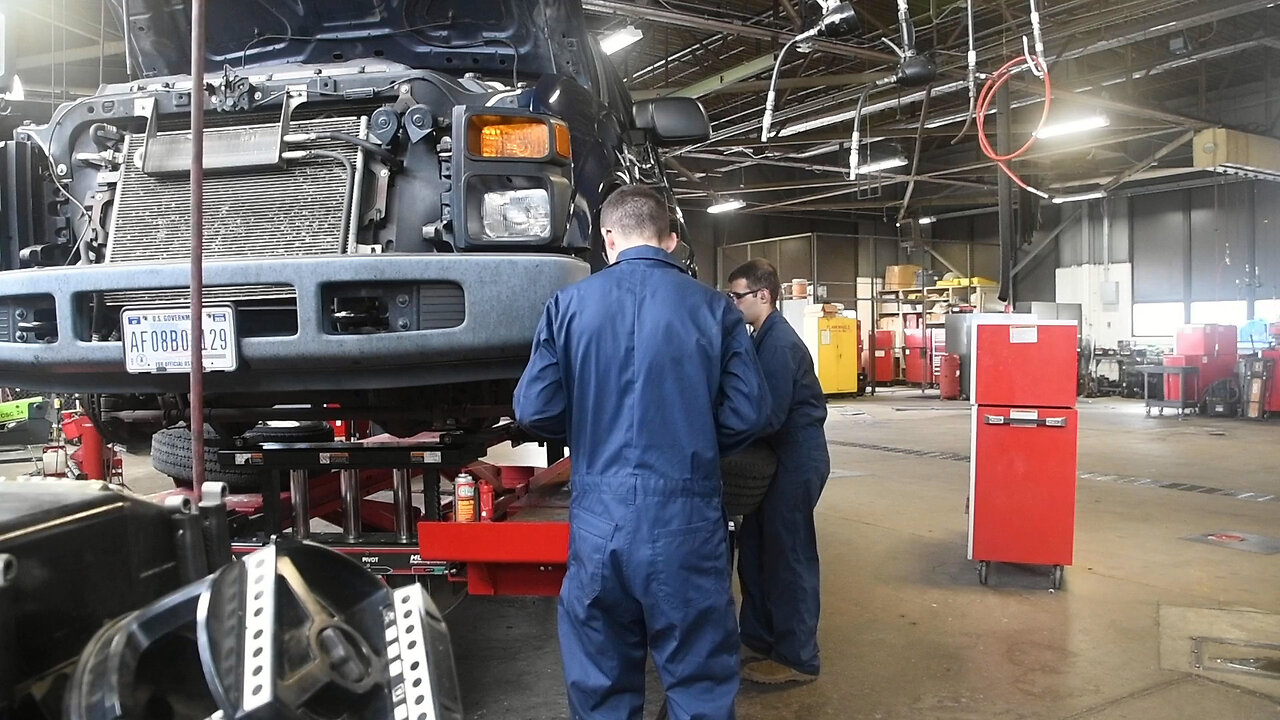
{"x": 516, "y": 138}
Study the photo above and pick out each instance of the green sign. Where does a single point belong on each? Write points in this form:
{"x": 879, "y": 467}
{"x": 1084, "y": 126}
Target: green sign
{"x": 17, "y": 410}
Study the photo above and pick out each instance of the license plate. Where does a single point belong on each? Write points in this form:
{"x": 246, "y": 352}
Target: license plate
{"x": 158, "y": 340}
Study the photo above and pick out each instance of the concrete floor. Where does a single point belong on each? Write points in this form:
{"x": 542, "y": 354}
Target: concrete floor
{"x": 907, "y": 631}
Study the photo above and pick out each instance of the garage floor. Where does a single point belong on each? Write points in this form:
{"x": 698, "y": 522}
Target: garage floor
{"x": 907, "y": 632}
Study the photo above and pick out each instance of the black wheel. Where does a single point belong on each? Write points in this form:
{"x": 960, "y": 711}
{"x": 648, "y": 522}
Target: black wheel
{"x": 747, "y": 476}
{"x": 1056, "y": 576}
{"x": 983, "y": 568}
{"x": 171, "y": 453}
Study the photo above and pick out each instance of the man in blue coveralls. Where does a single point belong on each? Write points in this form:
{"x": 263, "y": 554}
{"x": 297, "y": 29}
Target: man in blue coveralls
{"x": 778, "y": 545}
{"x": 650, "y": 376}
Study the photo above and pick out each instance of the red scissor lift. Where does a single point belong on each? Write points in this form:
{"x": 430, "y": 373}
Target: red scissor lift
{"x": 519, "y": 544}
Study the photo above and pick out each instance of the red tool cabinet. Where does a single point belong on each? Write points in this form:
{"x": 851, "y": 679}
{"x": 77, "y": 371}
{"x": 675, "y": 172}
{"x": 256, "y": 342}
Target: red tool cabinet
{"x": 1023, "y": 469}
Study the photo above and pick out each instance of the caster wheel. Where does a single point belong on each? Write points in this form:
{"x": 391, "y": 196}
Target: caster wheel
{"x": 983, "y": 568}
{"x": 1056, "y": 577}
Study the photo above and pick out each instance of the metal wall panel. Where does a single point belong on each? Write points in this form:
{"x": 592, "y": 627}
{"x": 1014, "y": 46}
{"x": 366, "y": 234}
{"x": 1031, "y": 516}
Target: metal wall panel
{"x": 1160, "y": 246}
{"x": 1266, "y": 213}
{"x": 1221, "y": 229}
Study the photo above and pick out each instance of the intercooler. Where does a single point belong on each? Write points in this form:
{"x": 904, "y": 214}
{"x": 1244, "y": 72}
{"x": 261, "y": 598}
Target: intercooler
{"x": 301, "y": 209}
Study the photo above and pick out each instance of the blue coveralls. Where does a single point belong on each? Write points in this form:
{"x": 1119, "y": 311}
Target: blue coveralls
{"x": 778, "y": 545}
{"x": 651, "y": 376}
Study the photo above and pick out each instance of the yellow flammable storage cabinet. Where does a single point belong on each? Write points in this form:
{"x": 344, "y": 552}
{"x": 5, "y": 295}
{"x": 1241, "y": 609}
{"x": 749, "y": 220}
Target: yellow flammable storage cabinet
{"x": 832, "y": 340}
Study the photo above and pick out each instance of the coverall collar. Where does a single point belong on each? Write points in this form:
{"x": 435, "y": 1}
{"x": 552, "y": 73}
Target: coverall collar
{"x": 770, "y": 321}
{"x": 649, "y": 252}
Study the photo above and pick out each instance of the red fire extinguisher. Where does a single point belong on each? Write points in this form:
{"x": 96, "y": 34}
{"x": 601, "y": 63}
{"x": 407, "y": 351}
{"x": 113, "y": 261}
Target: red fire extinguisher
{"x": 949, "y": 380}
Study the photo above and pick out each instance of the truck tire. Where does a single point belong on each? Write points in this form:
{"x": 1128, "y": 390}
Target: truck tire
{"x": 171, "y": 453}
{"x": 747, "y": 476}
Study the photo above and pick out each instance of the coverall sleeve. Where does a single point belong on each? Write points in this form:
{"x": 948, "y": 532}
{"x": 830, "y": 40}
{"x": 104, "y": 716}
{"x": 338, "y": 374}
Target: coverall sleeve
{"x": 744, "y": 398}
{"x": 541, "y": 400}
{"x": 779, "y": 373}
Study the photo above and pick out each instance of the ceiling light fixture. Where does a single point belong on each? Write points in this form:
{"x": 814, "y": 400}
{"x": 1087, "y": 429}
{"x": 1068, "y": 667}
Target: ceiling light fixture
{"x": 618, "y": 39}
{"x": 1096, "y": 195}
{"x": 1071, "y": 127}
{"x": 823, "y": 150}
{"x": 873, "y": 108}
{"x": 727, "y": 206}
{"x": 878, "y": 165}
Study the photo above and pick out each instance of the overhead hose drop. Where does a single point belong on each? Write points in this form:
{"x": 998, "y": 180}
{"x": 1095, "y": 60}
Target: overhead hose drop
{"x": 839, "y": 20}
{"x": 989, "y": 90}
{"x": 971, "y": 78}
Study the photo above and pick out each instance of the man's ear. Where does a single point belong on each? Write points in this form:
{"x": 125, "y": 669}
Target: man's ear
{"x": 670, "y": 243}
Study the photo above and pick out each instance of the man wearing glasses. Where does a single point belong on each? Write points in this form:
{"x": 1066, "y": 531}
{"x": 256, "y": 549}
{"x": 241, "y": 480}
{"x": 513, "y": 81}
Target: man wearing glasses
{"x": 778, "y": 544}
{"x": 650, "y": 375}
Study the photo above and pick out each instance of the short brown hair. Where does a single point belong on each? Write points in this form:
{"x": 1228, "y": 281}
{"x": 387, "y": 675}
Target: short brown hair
{"x": 637, "y": 212}
{"x": 759, "y": 273}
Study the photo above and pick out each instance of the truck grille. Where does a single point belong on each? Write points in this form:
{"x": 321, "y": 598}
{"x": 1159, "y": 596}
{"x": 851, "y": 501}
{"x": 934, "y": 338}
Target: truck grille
{"x": 182, "y": 297}
{"x": 293, "y": 211}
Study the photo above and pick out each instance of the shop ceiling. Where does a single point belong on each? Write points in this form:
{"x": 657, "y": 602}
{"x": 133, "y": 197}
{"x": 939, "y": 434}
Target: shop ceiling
{"x": 1155, "y": 68}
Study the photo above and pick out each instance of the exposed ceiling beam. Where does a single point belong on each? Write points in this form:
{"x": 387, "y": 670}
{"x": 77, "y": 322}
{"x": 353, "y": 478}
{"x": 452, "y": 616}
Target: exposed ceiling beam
{"x": 1044, "y": 242}
{"x": 88, "y": 52}
{"x": 1150, "y": 160}
{"x": 790, "y": 10}
{"x": 811, "y": 81}
{"x": 711, "y": 84}
{"x": 1199, "y": 13}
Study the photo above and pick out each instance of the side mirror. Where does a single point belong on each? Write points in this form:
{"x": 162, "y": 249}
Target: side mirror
{"x": 672, "y": 120}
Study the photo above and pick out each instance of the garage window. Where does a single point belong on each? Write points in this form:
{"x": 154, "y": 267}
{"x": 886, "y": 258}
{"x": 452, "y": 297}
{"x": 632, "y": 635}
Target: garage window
{"x": 1268, "y": 310}
{"x": 1158, "y": 320}
{"x": 1220, "y": 312}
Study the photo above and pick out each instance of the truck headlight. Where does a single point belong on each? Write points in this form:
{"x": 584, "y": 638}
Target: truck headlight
{"x": 517, "y": 214}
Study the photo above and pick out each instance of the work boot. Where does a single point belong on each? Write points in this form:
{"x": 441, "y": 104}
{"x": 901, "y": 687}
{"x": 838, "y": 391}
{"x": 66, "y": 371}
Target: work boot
{"x": 750, "y": 656}
{"x": 768, "y": 672}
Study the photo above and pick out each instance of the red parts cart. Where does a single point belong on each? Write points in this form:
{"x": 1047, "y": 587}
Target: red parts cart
{"x": 1022, "y": 481}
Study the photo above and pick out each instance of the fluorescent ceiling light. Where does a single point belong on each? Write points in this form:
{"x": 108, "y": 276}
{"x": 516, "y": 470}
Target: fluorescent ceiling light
{"x": 1073, "y": 126}
{"x": 869, "y": 109}
{"x": 618, "y": 39}
{"x": 819, "y": 150}
{"x": 727, "y": 206}
{"x": 926, "y": 220}
{"x": 1096, "y": 195}
{"x": 878, "y": 165}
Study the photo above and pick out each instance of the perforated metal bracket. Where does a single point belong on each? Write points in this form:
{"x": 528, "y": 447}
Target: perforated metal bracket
{"x": 258, "y": 683}
{"x": 409, "y": 666}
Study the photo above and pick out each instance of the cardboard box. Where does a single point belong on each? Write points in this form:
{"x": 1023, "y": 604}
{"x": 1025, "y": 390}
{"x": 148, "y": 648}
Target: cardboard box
{"x": 899, "y": 277}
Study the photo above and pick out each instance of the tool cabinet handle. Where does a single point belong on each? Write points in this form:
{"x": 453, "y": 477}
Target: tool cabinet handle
{"x": 1060, "y": 422}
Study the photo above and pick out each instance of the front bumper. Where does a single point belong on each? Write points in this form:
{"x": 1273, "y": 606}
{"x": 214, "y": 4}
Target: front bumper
{"x": 502, "y": 296}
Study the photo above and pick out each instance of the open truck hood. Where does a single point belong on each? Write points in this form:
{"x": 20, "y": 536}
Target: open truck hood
{"x": 498, "y": 38}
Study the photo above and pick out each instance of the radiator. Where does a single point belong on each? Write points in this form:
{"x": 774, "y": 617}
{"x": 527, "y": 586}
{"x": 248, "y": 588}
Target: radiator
{"x": 289, "y": 212}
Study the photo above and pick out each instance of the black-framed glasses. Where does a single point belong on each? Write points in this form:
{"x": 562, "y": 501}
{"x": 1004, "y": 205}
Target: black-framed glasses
{"x": 735, "y": 296}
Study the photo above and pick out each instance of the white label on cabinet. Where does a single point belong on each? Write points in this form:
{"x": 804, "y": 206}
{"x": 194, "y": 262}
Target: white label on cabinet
{"x": 1024, "y": 334}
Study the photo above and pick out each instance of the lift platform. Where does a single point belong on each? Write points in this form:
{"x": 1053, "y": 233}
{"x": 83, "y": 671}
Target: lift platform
{"x": 518, "y": 545}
